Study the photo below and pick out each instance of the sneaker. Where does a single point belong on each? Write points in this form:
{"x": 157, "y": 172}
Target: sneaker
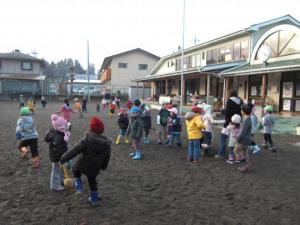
{"x": 256, "y": 150}
{"x": 264, "y": 145}
{"x": 132, "y": 154}
{"x": 230, "y": 161}
{"x": 59, "y": 189}
{"x": 219, "y": 157}
{"x": 272, "y": 149}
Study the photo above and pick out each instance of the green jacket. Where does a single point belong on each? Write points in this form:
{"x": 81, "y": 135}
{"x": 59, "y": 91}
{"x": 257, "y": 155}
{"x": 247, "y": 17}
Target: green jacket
{"x": 137, "y": 128}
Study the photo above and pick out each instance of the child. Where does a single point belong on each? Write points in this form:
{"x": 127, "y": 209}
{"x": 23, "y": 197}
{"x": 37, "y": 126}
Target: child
{"x": 21, "y": 102}
{"x": 57, "y": 138}
{"x": 123, "y": 123}
{"x": 117, "y": 100}
{"x": 94, "y": 154}
{"x": 162, "y": 120}
{"x": 98, "y": 107}
{"x": 175, "y": 128}
{"x": 31, "y": 105}
{"x": 268, "y": 124}
{"x": 136, "y": 132}
{"x": 44, "y": 102}
{"x": 147, "y": 124}
{"x": 129, "y": 105}
{"x": 27, "y": 136}
{"x": 84, "y": 102}
{"x": 66, "y": 110}
{"x": 78, "y": 107}
{"x": 253, "y": 147}
{"x": 194, "y": 127}
{"x": 112, "y": 109}
{"x": 103, "y": 103}
{"x": 244, "y": 140}
{"x": 233, "y": 130}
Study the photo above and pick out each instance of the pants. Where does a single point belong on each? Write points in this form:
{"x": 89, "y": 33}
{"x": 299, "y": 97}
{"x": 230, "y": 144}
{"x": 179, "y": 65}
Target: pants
{"x": 207, "y": 137}
{"x": 32, "y": 143}
{"x": 162, "y": 133}
{"x": 57, "y": 176}
{"x": 175, "y": 136}
{"x": 84, "y": 108}
{"x": 231, "y": 150}
{"x": 147, "y": 131}
{"x": 91, "y": 180}
{"x": 194, "y": 150}
{"x": 222, "y": 148}
{"x": 252, "y": 141}
{"x": 241, "y": 151}
{"x": 122, "y": 132}
{"x": 268, "y": 139}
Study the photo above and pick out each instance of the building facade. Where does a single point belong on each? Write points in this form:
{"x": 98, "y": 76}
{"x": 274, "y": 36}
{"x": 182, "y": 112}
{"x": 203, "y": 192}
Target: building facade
{"x": 21, "y": 74}
{"x": 118, "y": 71}
{"x": 261, "y": 62}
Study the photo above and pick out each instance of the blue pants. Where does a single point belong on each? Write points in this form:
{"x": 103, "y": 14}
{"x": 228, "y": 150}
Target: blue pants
{"x": 175, "y": 136}
{"x": 207, "y": 137}
{"x": 57, "y": 177}
{"x": 194, "y": 151}
{"x": 222, "y": 148}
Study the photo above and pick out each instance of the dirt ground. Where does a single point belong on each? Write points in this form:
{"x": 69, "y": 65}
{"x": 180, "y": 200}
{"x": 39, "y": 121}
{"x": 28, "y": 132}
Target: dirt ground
{"x": 161, "y": 189}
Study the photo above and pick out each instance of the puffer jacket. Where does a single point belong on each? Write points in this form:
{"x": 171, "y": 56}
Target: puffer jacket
{"x": 147, "y": 119}
{"x": 136, "y": 127}
{"x": 57, "y": 145}
{"x": 194, "y": 125}
{"x": 26, "y": 129}
{"x": 123, "y": 121}
{"x": 233, "y": 106}
{"x": 93, "y": 154}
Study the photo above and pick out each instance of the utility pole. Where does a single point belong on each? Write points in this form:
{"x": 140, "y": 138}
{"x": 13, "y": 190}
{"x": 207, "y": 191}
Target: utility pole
{"x": 88, "y": 70}
{"x": 182, "y": 58}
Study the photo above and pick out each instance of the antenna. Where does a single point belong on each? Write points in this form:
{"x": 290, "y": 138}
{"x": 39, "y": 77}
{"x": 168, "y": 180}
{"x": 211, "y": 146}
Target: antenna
{"x": 195, "y": 40}
{"x": 34, "y": 53}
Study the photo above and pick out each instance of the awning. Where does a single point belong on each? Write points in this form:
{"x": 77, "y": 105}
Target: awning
{"x": 272, "y": 67}
{"x": 22, "y": 76}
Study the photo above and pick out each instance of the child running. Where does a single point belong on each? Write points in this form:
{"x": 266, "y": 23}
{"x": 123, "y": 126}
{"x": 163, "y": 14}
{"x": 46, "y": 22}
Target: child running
{"x": 27, "y": 136}
{"x": 66, "y": 110}
{"x": 136, "y": 132}
{"x": 147, "y": 123}
{"x": 103, "y": 104}
{"x": 31, "y": 104}
{"x": 78, "y": 107}
{"x": 123, "y": 122}
{"x": 268, "y": 124}
{"x": 175, "y": 128}
{"x": 233, "y": 129}
{"x": 94, "y": 154}
{"x": 57, "y": 138}
{"x": 112, "y": 111}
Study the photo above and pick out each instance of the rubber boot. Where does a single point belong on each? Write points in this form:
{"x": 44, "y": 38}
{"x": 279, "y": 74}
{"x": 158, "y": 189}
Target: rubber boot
{"x": 132, "y": 153}
{"x": 146, "y": 140}
{"x": 126, "y": 140}
{"x": 78, "y": 186}
{"x": 93, "y": 199}
{"x": 137, "y": 155}
{"x": 118, "y": 140}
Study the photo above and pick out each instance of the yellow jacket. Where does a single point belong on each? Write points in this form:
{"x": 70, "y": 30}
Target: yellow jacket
{"x": 194, "y": 125}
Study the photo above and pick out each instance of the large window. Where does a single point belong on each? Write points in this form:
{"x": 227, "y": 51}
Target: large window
{"x": 209, "y": 57}
{"x": 26, "y": 65}
{"x": 255, "y": 85}
{"x": 187, "y": 62}
{"x": 178, "y": 64}
{"x": 123, "y": 65}
{"x": 228, "y": 53}
{"x": 143, "y": 66}
{"x": 222, "y": 55}
{"x": 216, "y": 53}
{"x": 236, "y": 51}
{"x": 244, "y": 49}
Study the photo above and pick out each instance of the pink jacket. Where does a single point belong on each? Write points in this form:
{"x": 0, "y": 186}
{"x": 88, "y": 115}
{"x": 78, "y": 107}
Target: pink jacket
{"x": 66, "y": 110}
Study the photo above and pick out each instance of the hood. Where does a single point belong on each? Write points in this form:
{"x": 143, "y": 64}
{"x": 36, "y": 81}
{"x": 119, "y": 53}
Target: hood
{"x": 189, "y": 115}
{"x": 98, "y": 139}
{"x": 236, "y": 100}
{"x": 28, "y": 123}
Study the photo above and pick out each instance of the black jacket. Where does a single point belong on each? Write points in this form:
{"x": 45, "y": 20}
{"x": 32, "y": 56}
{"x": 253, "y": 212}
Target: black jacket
{"x": 147, "y": 119}
{"x": 123, "y": 121}
{"x": 57, "y": 145}
{"x": 233, "y": 106}
{"x": 176, "y": 124}
{"x": 93, "y": 154}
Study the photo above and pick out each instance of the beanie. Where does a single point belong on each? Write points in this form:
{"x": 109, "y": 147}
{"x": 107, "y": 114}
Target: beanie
{"x": 137, "y": 102}
{"x": 236, "y": 119}
{"x": 96, "y": 125}
{"x": 60, "y": 124}
{"x": 196, "y": 109}
{"x": 25, "y": 111}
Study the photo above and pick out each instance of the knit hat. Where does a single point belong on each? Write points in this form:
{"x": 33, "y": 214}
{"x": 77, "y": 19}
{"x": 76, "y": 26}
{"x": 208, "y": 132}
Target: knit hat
{"x": 196, "y": 109}
{"x": 268, "y": 108}
{"x": 96, "y": 125}
{"x": 25, "y": 111}
{"x": 174, "y": 110}
{"x": 60, "y": 124}
{"x": 137, "y": 102}
{"x": 236, "y": 119}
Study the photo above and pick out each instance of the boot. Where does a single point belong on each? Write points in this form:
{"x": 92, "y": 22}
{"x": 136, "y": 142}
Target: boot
{"x": 146, "y": 140}
{"x": 126, "y": 140}
{"x": 93, "y": 199}
{"x": 137, "y": 155}
{"x": 118, "y": 140}
{"x": 256, "y": 150}
{"x": 78, "y": 186}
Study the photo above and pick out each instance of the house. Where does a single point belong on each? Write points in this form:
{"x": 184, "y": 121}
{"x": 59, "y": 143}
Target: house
{"x": 261, "y": 62}
{"x": 118, "y": 71}
{"x": 21, "y": 74}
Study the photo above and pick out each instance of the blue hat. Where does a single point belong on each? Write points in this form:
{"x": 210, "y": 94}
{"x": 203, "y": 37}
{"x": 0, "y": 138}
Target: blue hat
{"x": 135, "y": 109}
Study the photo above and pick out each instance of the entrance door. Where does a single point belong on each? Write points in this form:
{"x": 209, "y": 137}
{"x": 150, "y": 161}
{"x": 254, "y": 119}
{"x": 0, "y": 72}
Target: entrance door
{"x": 290, "y": 92}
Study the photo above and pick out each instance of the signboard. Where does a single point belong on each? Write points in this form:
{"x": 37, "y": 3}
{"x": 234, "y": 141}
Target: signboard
{"x": 253, "y": 91}
{"x": 287, "y": 89}
{"x": 287, "y": 105}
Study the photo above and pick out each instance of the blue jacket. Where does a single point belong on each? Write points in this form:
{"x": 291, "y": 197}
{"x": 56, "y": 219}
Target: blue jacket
{"x": 268, "y": 123}
{"x": 26, "y": 129}
{"x": 245, "y": 133}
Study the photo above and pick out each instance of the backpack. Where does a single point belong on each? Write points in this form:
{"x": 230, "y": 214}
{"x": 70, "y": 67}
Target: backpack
{"x": 164, "y": 118}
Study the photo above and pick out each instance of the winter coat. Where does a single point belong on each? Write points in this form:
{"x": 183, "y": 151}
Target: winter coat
{"x": 194, "y": 125}
{"x": 268, "y": 123}
{"x": 176, "y": 124}
{"x": 147, "y": 119}
{"x": 244, "y": 136}
{"x": 233, "y": 106}
{"x": 123, "y": 121}
{"x": 163, "y": 117}
{"x": 136, "y": 127}
{"x": 93, "y": 154}
{"x": 233, "y": 134}
{"x": 57, "y": 145}
{"x": 26, "y": 129}
{"x": 254, "y": 123}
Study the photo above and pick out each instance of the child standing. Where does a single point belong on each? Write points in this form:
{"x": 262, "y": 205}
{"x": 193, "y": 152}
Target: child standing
{"x": 66, "y": 110}
{"x": 112, "y": 109}
{"x": 57, "y": 138}
{"x": 103, "y": 104}
{"x": 233, "y": 129}
{"x": 78, "y": 107}
{"x": 253, "y": 147}
{"x": 94, "y": 154}
{"x": 136, "y": 132}
{"x": 162, "y": 119}
{"x": 175, "y": 128}
{"x": 147, "y": 123}
{"x": 194, "y": 127}
{"x": 21, "y": 102}
{"x": 123, "y": 123}
{"x": 44, "y": 102}
{"x": 244, "y": 140}
{"x": 268, "y": 124}
{"x": 27, "y": 136}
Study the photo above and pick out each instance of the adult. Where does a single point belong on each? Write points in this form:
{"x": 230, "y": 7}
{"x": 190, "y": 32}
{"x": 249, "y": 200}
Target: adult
{"x": 233, "y": 106}
{"x": 107, "y": 98}
{"x": 84, "y": 102}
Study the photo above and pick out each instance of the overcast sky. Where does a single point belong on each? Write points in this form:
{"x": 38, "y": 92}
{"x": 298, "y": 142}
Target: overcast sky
{"x": 59, "y": 29}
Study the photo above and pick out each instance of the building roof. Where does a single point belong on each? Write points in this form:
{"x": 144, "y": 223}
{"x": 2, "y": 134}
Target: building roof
{"x": 279, "y": 66}
{"x": 107, "y": 60}
{"x": 17, "y": 55}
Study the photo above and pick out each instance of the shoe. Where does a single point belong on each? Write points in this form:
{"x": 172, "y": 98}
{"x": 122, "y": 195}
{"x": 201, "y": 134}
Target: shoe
{"x": 189, "y": 159}
{"x": 178, "y": 144}
{"x": 205, "y": 146}
{"x": 118, "y": 140}
{"x": 78, "y": 186}
{"x": 264, "y": 145}
{"x": 159, "y": 143}
{"x": 272, "y": 149}
{"x": 35, "y": 162}
{"x": 132, "y": 153}
{"x": 256, "y": 150}
{"x": 231, "y": 159}
{"x": 24, "y": 152}
{"x": 59, "y": 189}
{"x": 146, "y": 141}
{"x": 219, "y": 157}
{"x": 137, "y": 155}
{"x": 126, "y": 140}
{"x": 93, "y": 199}
{"x": 195, "y": 161}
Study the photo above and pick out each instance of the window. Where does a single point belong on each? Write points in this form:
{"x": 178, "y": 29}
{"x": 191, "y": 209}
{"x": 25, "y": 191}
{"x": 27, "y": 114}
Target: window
{"x": 194, "y": 58}
{"x": 198, "y": 59}
{"x": 244, "y": 49}
{"x": 26, "y": 65}
{"x": 236, "y": 51}
{"x": 222, "y": 55}
{"x": 228, "y": 53}
{"x": 178, "y": 64}
{"x": 216, "y": 53}
{"x": 209, "y": 57}
{"x": 203, "y": 55}
{"x": 144, "y": 66}
{"x": 123, "y": 65}
{"x": 168, "y": 64}
{"x": 187, "y": 62}
{"x": 255, "y": 85}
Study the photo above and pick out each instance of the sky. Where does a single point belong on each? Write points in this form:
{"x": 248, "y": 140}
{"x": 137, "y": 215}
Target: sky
{"x": 58, "y": 29}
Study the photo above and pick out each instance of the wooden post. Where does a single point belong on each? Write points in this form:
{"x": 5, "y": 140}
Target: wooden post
{"x": 207, "y": 86}
{"x": 264, "y": 88}
{"x": 166, "y": 88}
{"x": 226, "y": 90}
